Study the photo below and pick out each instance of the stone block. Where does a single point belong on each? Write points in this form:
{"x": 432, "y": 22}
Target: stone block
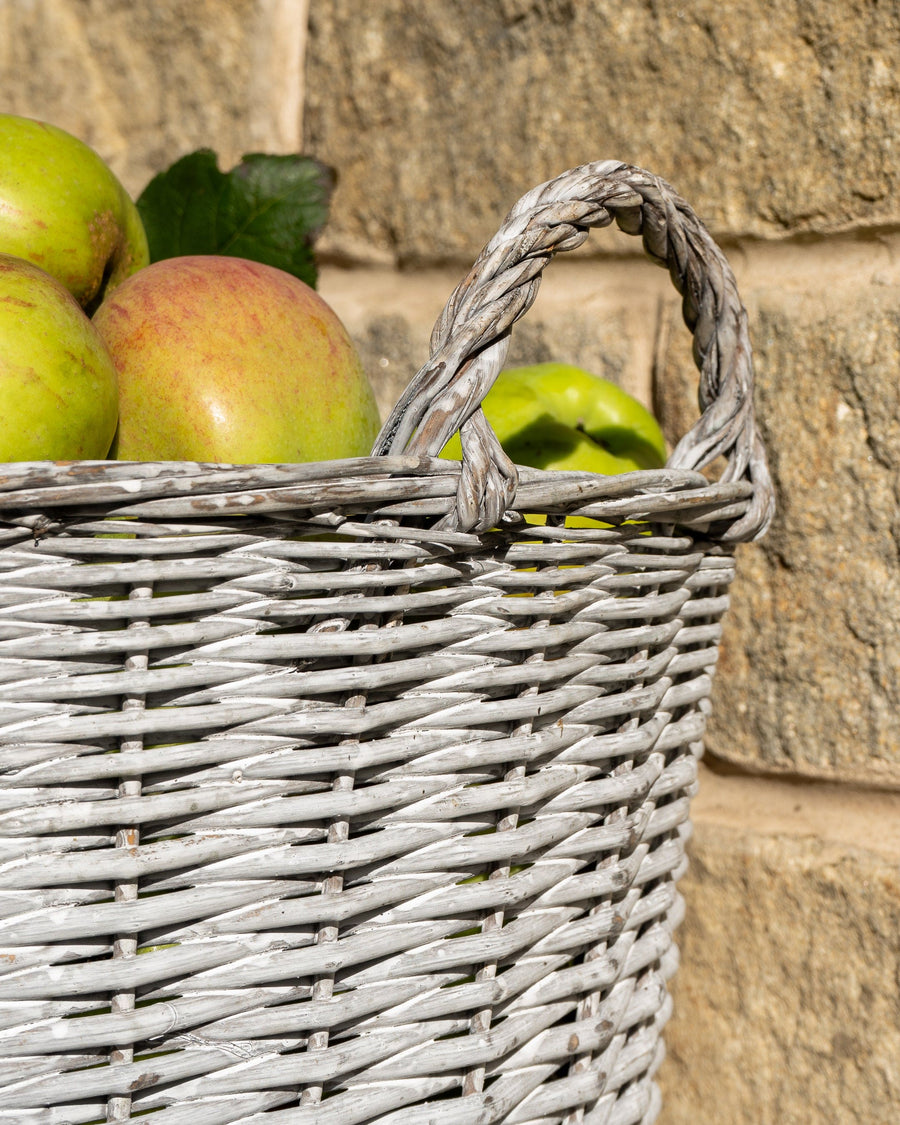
{"x": 770, "y": 118}
{"x": 785, "y": 1002}
{"x": 808, "y": 673}
{"x": 146, "y": 83}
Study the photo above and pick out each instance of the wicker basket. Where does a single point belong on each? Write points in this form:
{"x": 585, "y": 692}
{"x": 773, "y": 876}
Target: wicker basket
{"x": 339, "y": 793}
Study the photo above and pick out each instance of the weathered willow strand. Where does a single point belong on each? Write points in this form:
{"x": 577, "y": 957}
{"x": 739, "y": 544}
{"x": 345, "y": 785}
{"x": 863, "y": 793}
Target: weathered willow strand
{"x": 343, "y": 792}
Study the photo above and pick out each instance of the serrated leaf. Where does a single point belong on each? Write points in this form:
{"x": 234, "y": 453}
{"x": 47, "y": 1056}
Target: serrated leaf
{"x": 268, "y": 208}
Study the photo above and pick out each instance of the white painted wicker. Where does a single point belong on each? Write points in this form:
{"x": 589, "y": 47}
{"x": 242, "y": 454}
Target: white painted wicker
{"x": 336, "y": 793}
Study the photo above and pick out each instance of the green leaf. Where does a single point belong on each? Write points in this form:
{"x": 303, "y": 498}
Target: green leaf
{"x": 268, "y": 208}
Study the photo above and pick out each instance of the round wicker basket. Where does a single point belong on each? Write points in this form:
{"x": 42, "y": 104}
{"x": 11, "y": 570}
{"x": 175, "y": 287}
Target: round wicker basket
{"x": 340, "y": 792}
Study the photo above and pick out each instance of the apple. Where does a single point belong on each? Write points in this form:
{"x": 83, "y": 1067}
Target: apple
{"x": 227, "y": 360}
{"x": 57, "y": 380}
{"x": 63, "y": 209}
{"x": 556, "y": 416}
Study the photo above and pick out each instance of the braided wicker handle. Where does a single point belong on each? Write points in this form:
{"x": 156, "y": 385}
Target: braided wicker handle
{"x": 471, "y": 338}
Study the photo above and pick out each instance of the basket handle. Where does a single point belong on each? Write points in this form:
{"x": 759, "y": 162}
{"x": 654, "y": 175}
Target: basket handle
{"x": 470, "y": 340}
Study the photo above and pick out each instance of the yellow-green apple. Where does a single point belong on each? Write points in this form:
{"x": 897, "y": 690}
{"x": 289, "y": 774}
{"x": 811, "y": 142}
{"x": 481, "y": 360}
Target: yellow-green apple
{"x": 227, "y": 360}
{"x": 62, "y": 208}
{"x": 556, "y": 416}
{"x": 57, "y": 380}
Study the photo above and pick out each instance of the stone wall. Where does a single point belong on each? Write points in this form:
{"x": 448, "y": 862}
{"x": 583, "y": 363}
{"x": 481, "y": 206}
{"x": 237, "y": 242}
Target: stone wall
{"x": 777, "y": 121}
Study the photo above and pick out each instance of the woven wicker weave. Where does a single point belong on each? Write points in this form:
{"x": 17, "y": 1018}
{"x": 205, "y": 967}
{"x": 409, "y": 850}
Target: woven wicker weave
{"x": 337, "y": 793}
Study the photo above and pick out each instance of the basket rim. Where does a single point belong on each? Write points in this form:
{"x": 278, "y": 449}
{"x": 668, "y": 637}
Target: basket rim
{"x": 377, "y": 486}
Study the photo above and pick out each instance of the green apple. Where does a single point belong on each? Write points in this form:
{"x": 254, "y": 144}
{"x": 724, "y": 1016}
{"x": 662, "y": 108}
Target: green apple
{"x": 57, "y": 380}
{"x": 63, "y": 209}
{"x": 556, "y": 416}
{"x": 227, "y": 360}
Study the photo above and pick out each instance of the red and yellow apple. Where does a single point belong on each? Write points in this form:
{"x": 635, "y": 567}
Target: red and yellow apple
{"x": 227, "y": 360}
{"x": 57, "y": 380}
{"x": 62, "y": 208}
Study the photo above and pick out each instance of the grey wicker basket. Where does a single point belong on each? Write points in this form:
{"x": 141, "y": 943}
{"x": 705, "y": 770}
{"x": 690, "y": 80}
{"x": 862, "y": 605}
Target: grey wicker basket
{"x": 339, "y": 793}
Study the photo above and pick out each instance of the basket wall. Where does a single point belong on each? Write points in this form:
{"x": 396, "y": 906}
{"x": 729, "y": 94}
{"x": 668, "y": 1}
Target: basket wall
{"x": 315, "y": 814}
